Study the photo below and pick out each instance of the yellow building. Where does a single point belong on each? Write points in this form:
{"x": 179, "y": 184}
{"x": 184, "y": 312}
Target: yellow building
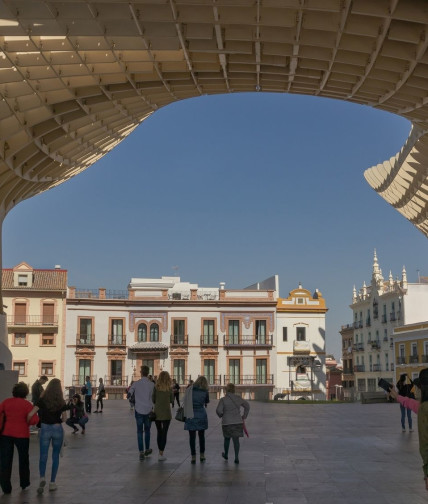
{"x": 410, "y": 349}
{"x": 35, "y": 304}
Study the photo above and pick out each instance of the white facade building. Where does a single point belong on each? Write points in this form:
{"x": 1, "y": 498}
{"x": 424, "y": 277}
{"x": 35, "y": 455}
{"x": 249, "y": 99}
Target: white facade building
{"x": 226, "y": 335}
{"x": 377, "y": 310}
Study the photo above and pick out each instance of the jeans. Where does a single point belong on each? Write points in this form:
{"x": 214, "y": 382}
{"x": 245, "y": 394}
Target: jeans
{"x": 162, "y": 426}
{"x": 143, "y": 423}
{"x": 192, "y": 441}
{"x": 7, "y": 445}
{"x": 100, "y": 403}
{"x": 72, "y": 421}
{"x": 48, "y": 433}
{"x": 88, "y": 403}
{"x": 403, "y": 417}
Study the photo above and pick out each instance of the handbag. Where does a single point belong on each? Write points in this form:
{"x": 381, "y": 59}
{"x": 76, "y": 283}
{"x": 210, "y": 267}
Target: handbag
{"x": 180, "y": 414}
{"x": 152, "y": 416}
{"x": 244, "y": 427}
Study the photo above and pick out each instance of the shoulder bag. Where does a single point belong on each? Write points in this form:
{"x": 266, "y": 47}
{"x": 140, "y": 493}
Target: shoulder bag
{"x": 180, "y": 414}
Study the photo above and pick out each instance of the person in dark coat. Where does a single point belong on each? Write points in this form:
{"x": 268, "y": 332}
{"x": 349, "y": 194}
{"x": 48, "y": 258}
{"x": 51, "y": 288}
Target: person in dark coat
{"x": 194, "y": 403}
{"x": 405, "y": 390}
{"x": 77, "y": 414}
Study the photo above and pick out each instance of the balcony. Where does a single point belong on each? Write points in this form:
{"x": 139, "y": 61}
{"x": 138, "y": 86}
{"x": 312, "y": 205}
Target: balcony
{"x": 358, "y": 324}
{"x": 79, "y": 380}
{"x": 116, "y": 340}
{"x": 377, "y": 367}
{"x": 401, "y": 360}
{"x": 32, "y": 320}
{"x": 85, "y": 340}
{"x": 116, "y": 381}
{"x": 359, "y": 368}
{"x": 392, "y": 317}
{"x": 248, "y": 340}
{"x": 210, "y": 341}
{"x": 249, "y": 380}
{"x": 182, "y": 380}
{"x": 414, "y": 359}
{"x": 179, "y": 341}
{"x": 358, "y": 347}
{"x": 384, "y": 321}
{"x": 375, "y": 345}
{"x": 368, "y": 322}
{"x": 214, "y": 380}
{"x": 301, "y": 347}
{"x": 424, "y": 358}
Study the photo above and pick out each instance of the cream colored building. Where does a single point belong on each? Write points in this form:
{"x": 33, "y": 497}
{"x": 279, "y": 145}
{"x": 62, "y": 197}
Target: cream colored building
{"x": 35, "y": 301}
{"x": 300, "y": 351}
{"x": 411, "y": 349}
{"x": 226, "y": 335}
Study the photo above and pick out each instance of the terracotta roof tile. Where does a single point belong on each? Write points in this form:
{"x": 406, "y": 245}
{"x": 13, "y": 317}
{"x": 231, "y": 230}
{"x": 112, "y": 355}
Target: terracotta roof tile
{"x": 43, "y": 279}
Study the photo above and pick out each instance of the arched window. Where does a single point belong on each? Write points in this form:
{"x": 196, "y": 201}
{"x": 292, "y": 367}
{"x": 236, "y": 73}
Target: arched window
{"x": 154, "y": 332}
{"x": 142, "y": 332}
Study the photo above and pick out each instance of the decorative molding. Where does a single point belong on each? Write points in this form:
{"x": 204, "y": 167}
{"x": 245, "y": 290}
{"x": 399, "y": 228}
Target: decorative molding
{"x": 136, "y": 315}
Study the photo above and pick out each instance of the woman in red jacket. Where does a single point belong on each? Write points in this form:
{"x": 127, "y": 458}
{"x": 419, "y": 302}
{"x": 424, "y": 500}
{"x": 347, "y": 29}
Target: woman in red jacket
{"x": 16, "y": 432}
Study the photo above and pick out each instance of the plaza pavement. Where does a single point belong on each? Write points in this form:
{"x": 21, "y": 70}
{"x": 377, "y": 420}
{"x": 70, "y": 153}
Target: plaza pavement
{"x": 296, "y": 454}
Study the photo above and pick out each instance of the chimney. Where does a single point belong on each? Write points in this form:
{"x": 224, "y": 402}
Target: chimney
{"x": 222, "y": 284}
{"x": 57, "y": 266}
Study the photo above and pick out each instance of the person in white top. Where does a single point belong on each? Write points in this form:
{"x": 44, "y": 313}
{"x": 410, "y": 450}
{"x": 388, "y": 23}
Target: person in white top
{"x": 142, "y": 391}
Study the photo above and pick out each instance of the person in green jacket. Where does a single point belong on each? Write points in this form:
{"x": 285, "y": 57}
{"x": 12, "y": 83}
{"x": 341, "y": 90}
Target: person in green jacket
{"x": 163, "y": 399}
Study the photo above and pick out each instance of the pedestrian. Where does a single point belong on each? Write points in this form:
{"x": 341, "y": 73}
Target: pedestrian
{"x": 176, "y": 391}
{"x": 190, "y": 383}
{"x": 101, "y": 393}
{"x": 142, "y": 390}
{"x": 51, "y": 408}
{"x": 15, "y": 432}
{"x": 229, "y": 410}
{"x": 37, "y": 388}
{"x": 195, "y": 402}
{"x": 130, "y": 397}
{"x": 405, "y": 390}
{"x": 77, "y": 414}
{"x": 87, "y": 392}
{"x": 163, "y": 399}
{"x": 36, "y": 391}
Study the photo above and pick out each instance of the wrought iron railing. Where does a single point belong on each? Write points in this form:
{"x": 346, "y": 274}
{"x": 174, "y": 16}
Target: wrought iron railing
{"x": 32, "y": 320}
{"x": 209, "y": 340}
{"x": 116, "y": 381}
{"x": 247, "y": 340}
{"x": 85, "y": 339}
{"x": 249, "y": 379}
{"x": 179, "y": 340}
{"x": 117, "y": 340}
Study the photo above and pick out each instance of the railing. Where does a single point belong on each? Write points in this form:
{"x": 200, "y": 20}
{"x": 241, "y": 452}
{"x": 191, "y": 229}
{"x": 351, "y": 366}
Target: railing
{"x": 116, "y": 381}
{"x": 79, "y": 381}
{"x": 414, "y": 359}
{"x": 358, "y": 347}
{"x": 179, "y": 340}
{"x": 249, "y": 379}
{"x": 399, "y": 315}
{"x": 359, "y": 368}
{"x": 368, "y": 322}
{"x": 32, "y": 320}
{"x": 213, "y": 380}
{"x": 116, "y": 340}
{"x": 401, "y": 360}
{"x": 377, "y": 367}
{"x": 358, "y": 324}
{"x": 375, "y": 344}
{"x": 85, "y": 339}
{"x": 424, "y": 358}
{"x": 385, "y": 338}
{"x": 392, "y": 317}
{"x": 384, "y": 318}
{"x": 348, "y": 371}
{"x": 182, "y": 380}
{"x": 248, "y": 340}
{"x": 209, "y": 340}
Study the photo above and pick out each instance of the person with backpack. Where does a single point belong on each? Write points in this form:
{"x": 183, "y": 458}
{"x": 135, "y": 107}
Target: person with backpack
{"x": 87, "y": 393}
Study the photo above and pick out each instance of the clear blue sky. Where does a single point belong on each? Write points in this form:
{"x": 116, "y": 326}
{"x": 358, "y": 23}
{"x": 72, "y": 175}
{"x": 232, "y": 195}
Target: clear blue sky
{"x": 231, "y": 188}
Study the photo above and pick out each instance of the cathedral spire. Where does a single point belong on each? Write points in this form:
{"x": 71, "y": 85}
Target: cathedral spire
{"x": 377, "y": 272}
{"x": 403, "y": 282}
